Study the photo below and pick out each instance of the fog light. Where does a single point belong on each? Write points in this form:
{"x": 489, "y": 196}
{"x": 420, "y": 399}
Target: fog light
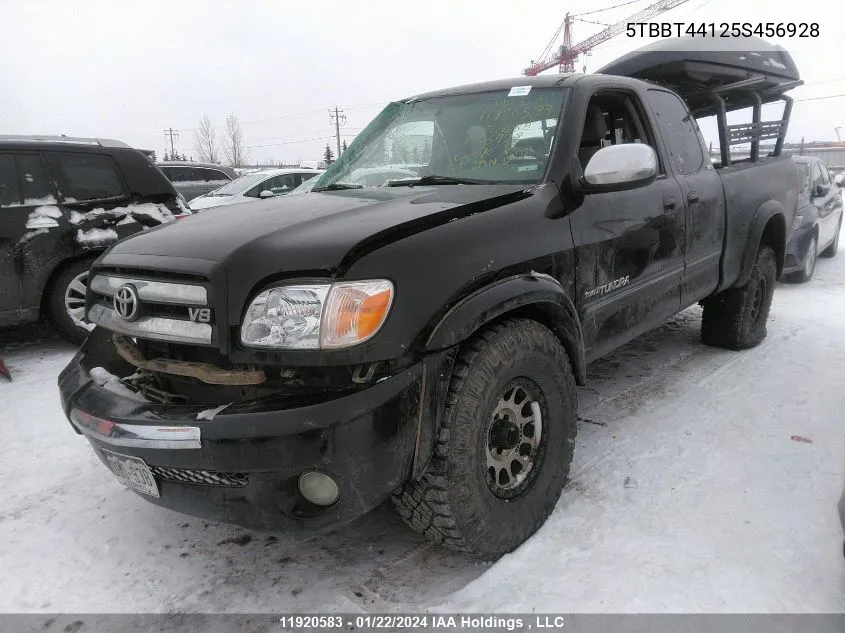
{"x": 318, "y": 488}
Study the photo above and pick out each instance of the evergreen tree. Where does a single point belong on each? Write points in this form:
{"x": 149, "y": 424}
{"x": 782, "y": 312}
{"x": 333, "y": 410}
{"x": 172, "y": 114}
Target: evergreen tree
{"x": 343, "y": 147}
{"x": 328, "y": 155}
{"x": 166, "y": 156}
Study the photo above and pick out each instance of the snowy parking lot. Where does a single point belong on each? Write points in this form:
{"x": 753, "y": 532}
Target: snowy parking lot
{"x": 704, "y": 481}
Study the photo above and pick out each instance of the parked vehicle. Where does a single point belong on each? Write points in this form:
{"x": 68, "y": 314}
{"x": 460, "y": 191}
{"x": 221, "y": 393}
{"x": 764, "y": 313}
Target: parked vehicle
{"x": 842, "y": 517}
{"x": 253, "y": 187}
{"x": 306, "y": 185}
{"x": 818, "y": 221}
{"x": 63, "y": 201}
{"x": 422, "y": 337}
{"x": 195, "y": 179}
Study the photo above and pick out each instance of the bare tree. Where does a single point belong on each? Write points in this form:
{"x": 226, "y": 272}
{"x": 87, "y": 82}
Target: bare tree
{"x": 233, "y": 142}
{"x": 206, "y": 141}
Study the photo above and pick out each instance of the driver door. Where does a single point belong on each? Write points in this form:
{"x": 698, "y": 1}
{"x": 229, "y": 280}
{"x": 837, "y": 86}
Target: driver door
{"x": 629, "y": 245}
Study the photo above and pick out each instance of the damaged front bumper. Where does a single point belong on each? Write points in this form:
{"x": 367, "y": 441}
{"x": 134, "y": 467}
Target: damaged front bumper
{"x": 242, "y": 463}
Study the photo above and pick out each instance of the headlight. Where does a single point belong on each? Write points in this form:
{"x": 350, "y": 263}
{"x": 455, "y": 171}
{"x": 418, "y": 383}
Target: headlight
{"x": 317, "y": 316}
{"x": 798, "y": 222}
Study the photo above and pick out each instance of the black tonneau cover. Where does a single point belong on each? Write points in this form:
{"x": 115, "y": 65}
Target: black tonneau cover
{"x": 740, "y": 70}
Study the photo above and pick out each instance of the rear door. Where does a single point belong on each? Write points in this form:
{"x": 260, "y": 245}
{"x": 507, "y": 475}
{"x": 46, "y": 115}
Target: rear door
{"x": 31, "y": 233}
{"x": 829, "y": 204}
{"x": 701, "y": 197}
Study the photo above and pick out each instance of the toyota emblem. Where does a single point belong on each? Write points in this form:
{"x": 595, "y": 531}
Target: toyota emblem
{"x": 126, "y": 302}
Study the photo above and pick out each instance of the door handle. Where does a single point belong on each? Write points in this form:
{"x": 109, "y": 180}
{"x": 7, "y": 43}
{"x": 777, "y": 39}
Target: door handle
{"x": 692, "y": 197}
{"x": 669, "y": 203}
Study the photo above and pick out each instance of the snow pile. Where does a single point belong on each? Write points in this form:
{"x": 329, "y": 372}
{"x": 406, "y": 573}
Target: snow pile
{"x": 31, "y": 202}
{"x": 30, "y": 235}
{"x": 112, "y": 383}
{"x": 152, "y": 210}
{"x": 93, "y": 237}
{"x": 44, "y": 217}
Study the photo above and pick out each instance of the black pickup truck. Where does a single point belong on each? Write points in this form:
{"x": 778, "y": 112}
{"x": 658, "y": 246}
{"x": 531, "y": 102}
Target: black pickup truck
{"x": 293, "y": 364}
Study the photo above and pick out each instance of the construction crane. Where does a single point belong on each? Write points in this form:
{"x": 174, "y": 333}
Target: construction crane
{"x": 567, "y": 53}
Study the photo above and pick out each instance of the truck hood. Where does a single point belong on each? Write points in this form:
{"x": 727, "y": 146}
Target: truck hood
{"x": 322, "y": 231}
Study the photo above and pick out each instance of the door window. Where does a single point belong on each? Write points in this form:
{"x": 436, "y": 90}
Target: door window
{"x": 82, "y": 177}
{"x": 277, "y": 184}
{"x": 681, "y": 135}
{"x": 202, "y": 174}
{"x": 825, "y": 174}
{"x": 817, "y": 177}
{"x": 34, "y": 182}
{"x": 9, "y": 191}
{"x": 24, "y": 181}
{"x": 613, "y": 118}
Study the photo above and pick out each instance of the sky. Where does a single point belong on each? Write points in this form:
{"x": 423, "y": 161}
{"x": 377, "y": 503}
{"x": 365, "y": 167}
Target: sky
{"x": 131, "y": 69}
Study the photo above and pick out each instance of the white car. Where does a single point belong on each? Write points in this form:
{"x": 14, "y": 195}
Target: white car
{"x": 255, "y": 186}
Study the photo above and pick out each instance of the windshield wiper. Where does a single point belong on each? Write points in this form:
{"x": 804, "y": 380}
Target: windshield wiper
{"x": 435, "y": 180}
{"x": 337, "y": 186}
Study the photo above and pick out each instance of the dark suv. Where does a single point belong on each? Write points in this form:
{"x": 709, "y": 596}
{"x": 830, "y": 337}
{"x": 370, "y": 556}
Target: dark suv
{"x": 195, "y": 179}
{"x": 63, "y": 201}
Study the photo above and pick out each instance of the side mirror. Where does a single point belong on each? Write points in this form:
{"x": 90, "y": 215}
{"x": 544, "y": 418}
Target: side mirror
{"x": 619, "y": 167}
{"x": 822, "y": 190}
{"x": 266, "y": 194}
{"x": 839, "y": 180}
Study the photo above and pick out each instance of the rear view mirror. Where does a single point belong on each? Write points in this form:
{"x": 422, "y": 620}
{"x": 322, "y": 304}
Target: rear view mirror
{"x": 266, "y": 194}
{"x": 618, "y": 167}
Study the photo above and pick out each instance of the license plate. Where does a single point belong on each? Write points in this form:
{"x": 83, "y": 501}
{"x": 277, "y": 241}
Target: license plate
{"x": 132, "y": 472}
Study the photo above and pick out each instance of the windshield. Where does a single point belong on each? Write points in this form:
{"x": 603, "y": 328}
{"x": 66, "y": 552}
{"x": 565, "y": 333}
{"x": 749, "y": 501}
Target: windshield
{"x": 487, "y": 137}
{"x": 239, "y": 185}
{"x": 804, "y": 176}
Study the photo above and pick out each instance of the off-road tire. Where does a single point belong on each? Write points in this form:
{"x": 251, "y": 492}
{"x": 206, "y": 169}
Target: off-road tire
{"x": 452, "y": 503}
{"x": 831, "y": 250}
{"x": 806, "y": 273}
{"x": 56, "y": 313}
{"x": 736, "y": 318}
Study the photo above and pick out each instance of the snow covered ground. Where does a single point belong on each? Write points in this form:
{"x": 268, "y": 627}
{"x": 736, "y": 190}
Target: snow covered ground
{"x": 703, "y": 481}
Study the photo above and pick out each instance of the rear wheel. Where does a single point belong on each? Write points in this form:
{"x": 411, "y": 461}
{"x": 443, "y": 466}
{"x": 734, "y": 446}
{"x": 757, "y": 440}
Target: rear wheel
{"x": 66, "y": 301}
{"x": 503, "y": 453}
{"x": 736, "y": 318}
{"x": 806, "y": 273}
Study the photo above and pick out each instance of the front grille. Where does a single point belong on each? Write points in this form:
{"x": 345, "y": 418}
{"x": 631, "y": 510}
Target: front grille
{"x": 202, "y": 477}
{"x": 175, "y": 310}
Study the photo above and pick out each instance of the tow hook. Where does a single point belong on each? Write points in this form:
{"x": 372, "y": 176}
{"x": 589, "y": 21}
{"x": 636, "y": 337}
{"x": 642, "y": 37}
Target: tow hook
{"x": 358, "y": 375}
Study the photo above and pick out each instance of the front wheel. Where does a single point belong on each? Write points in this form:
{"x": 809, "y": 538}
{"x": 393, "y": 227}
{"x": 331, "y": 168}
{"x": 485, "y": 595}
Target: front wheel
{"x": 736, "y": 318}
{"x": 504, "y": 451}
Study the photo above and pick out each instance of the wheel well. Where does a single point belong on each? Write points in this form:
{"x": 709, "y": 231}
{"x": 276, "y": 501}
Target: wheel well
{"x": 774, "y": 236}
{"x": 48, "y": 285}
{"x": 555, "y": 318}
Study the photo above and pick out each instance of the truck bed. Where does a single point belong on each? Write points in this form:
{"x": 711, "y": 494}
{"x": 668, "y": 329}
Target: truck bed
{"x": 745, "y": 197}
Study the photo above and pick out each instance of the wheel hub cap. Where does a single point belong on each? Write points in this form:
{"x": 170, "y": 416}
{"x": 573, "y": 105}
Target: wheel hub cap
{"x": 75, "y": 298}
{"x": 514, "y": 438}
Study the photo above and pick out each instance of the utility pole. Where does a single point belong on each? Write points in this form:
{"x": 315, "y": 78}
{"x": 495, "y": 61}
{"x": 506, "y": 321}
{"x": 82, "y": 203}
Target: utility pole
{"x": 170, "y": 132}
{"x": 338, "y": 117}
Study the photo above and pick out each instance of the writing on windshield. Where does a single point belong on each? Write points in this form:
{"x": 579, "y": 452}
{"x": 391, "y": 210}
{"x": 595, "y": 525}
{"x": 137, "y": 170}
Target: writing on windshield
{"x": 486, "y": 137}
